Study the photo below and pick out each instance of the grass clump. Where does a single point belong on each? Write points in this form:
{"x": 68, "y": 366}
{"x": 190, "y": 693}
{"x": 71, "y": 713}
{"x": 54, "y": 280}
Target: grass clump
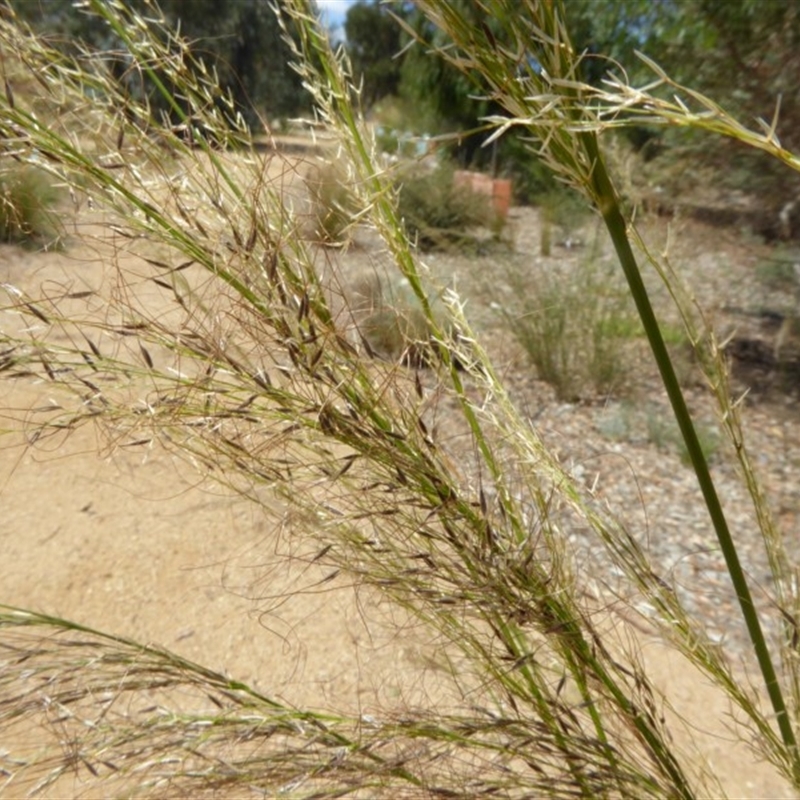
{"x": 781, "y": 270}
{"x": 647, "y": 422}
{"x": 664, "y": 433}
{"x": 393, "y": 323}
{"x": 561, "y": 216}
{"x": 28, "y": 200}
{"x": 577, "y": 327}
{"x": 332, "y": 203}
{"x": 438, "y": 214}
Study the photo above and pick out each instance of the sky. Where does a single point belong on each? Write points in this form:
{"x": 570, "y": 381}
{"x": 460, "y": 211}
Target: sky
{"x": 334, "y": 12}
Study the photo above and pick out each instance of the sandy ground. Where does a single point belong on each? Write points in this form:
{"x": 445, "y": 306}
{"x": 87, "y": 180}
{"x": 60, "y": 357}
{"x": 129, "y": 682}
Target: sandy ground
{"x": 139, "y": 547}
{"x": 137, "y": 544}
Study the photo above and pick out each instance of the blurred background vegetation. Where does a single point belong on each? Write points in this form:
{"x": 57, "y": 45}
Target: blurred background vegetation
{"x": 744, "y": 53}
{"x": 241, "y": 39}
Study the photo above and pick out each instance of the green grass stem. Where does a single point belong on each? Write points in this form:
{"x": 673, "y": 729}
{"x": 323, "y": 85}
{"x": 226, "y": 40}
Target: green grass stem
{"x": 609, "y": 207}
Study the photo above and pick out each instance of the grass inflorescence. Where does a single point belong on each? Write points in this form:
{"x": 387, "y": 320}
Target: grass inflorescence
{"x": 259, "y": 369}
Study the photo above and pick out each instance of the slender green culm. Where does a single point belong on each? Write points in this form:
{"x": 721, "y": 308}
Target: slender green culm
{"x": 252, "y": 360}
{"x": 609, "y": 206}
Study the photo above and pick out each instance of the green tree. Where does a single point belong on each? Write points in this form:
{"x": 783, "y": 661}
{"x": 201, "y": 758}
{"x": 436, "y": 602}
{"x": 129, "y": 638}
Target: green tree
{"x": 240, "y": 39}
{"x": 744, "y": 53}
{"x": 374, "y": 42}
{"x": 243, "y": 40}
{"x": 435, "y": 85}
{"x": 457, "y": 104}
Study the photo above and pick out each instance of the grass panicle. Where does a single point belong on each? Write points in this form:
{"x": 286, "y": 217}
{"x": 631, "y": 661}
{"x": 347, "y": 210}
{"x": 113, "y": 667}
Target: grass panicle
{"x": 228, "y": 339}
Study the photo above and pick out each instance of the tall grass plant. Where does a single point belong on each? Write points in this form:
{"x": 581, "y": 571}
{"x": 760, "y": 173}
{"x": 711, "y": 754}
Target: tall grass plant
{"x": 29, "y": 207}
{"x": 255, "y": 375}
{"x": 439, "y": 214}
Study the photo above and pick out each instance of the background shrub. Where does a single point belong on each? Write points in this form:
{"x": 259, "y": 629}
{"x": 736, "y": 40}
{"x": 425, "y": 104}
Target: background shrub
{"x": 439, "y": 214}
{"x": 392, "y": 321}
{"x": 27, "y": 208}
{"x": 574, "y": 325}
{"x": 332, "y": 203}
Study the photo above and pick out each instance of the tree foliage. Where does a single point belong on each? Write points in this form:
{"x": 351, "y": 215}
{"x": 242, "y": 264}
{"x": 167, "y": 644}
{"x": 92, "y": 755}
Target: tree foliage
{"x": 240, "y": 39}
{"x": 743, "y": 52}
{"x": 374, "y": 42}
{"x": 459, "y": 102}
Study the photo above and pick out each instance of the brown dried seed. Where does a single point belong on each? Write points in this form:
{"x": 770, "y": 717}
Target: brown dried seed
{"x": 48, "y": 369}
{"x": 271, "y": 264}
{"x": 327, "y": 421}
{"x": 92, "y": 346}
{"x": 36, "y": 313}
{"x": 261, "y": 378}
{"x": 129, "y": 328}
{"x": 370, "y": 352}
{"x": 322, "y": 553}
{"x": 88, "y": 766}
{"x": 156, "y": 263}
{"x": 315, "y": 358}
{"x": 304, "y": 305}
{"x": 345, "y": 345}
{"x": 491, "y": 537}
{"x": 251, "y": 239}
{"x": 146, "y": 356}
{"x": 89, "y": 384}
{"x": 281, "y": 292}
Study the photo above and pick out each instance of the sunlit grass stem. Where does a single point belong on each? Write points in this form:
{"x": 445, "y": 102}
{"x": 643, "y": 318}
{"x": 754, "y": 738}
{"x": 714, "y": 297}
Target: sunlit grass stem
{"x": 609, "y": 207}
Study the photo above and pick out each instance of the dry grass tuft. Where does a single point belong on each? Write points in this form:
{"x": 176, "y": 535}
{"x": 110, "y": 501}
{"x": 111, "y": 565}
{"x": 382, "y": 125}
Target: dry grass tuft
{"x": 28, "y": 208}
